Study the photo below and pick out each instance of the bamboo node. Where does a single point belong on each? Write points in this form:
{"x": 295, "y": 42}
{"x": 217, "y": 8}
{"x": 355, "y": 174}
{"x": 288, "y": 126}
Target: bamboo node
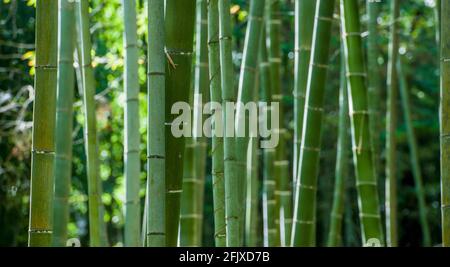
{"x": 277, "y": 97}
{"x": 314, "y": 149}
{"x": 156, "y": 73}
{"x": 283, "y": 193}
{"x": 275, "y": 60}
{"x": 281, "y": 163}
{"x": 225, "y": 38}
{"x": 366, "y": 183}
{"x": 156, "y": 157}
{"x": 275, "y": 21}
{"x": 308, "y": 187}
{"x": 350, "y": 34}
{"x": 303, "y": 222}
{"x": 191, "y": 216}
{"x": 43, "y": 152}
{"x": 175, "y": 191}
{"x": 318, "y": 65}
{"x": 318, "y": 109}
{"x": 326, "y": 19}
{"x": 299, "y": 95}
{"x": 369, "y": 215}
{"x": 40, "y": 231}
{"x": 357, "y": 74}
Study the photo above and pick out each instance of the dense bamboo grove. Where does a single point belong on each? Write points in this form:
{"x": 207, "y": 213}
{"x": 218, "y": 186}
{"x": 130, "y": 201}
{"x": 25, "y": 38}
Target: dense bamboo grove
{"x": 228, "y": 123}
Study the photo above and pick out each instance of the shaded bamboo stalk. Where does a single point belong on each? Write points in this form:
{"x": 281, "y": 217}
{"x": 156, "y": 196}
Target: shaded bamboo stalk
{"x": 283, "y": 193}
{"x": 232, "y": 205}
{"x": 246, "y": 94}
{"x": 374, "y": 81}
{"x": 270, "y": 230}
{"x": 97, "y": 228}
{"x": 445, "y": 122}
{"x": 366, "y": 182}
{"x": 252, "y": 199}
{"x": 391, "y": 126}
{"x": 341, "y": 175}
{"x": 188, "y": 212}
{"x": 437, "y": 14}
{"x": 156, "y": 139}
{"x": 132, "y": 136}
{"x": 64, "y": 121}
{"x": 414, "y": 155}
{"x": 43, "y": 136}
{"x": 304, "y": 25}
{"x": 179, "y": 26}
{"x": 303, "y": 230}
{"x": 217, "y": 142}
{"x": 200, "y": 142}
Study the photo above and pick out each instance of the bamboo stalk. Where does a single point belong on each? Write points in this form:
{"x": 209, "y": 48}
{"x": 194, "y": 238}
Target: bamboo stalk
{"x": 391, "y": 126}
{"x": 217, "y": 141}
{"x": 445, "y": 122}
{"x": 97, "y": 230}
{"x": 132, "y": 136}
{"x": 200, "y": 144}
{"x": 252, "y": 199}
{"x": 232, "y": 183}
{"x": 271, "y": 231}
{"x": 188, "y": 212}
{"x": 156, "y": 139}
{"x": 415, "y": 164}
{"x": 437, "y": 14}
{"x": 283, "y": 193}
{"x": 246, "y": 94}
{"x": 303, "y": 233}
{"x": 64, "y": 121}
{"x": 179, "y": 25}
{"x": 43, "y": 136}
{"x": 374, "y": 81}
{"x": 369, "y": 206}
{"x": 341, "y": 175}
{"x": 304, "y": 25}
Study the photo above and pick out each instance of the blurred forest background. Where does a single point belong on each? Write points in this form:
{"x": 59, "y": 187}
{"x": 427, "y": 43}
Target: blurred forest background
{"x": 418, "y": 49}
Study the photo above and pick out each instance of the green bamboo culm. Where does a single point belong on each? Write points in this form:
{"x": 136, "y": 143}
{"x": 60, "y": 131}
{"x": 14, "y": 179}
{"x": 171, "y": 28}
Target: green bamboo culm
{"x": 232, "y": 205}
{"x": 188, "y": 214}
{"x": 217, "y": 140}
{"x": 283, "y": 194}
{"x": 43, "y": 137}
{"x": 304, "y": 25}
{"x": 252, "y": 200}
{"x": 391, "y": 126}
{"x": 191, "y": 219}
{"x": 156, "y": 141}
{"x": 437, "y": 14}
{"x": 414, "y": 155}
{"x": 97, "y": 227}
{"x": 132, "y": 135}
{"x": 271, "y": 231}
{"x": 369, "y": 205}
{"x": 303, "y": 233}
{"x": 342, "y": 162}
{"x": 179, "y": 27}
{"x": 445, "y": 122}
{"x": 64, "y": 122}
{"x": 202, "y": 89}
{"x": 246, "y": 94}
{"x": 374, "y": 81}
